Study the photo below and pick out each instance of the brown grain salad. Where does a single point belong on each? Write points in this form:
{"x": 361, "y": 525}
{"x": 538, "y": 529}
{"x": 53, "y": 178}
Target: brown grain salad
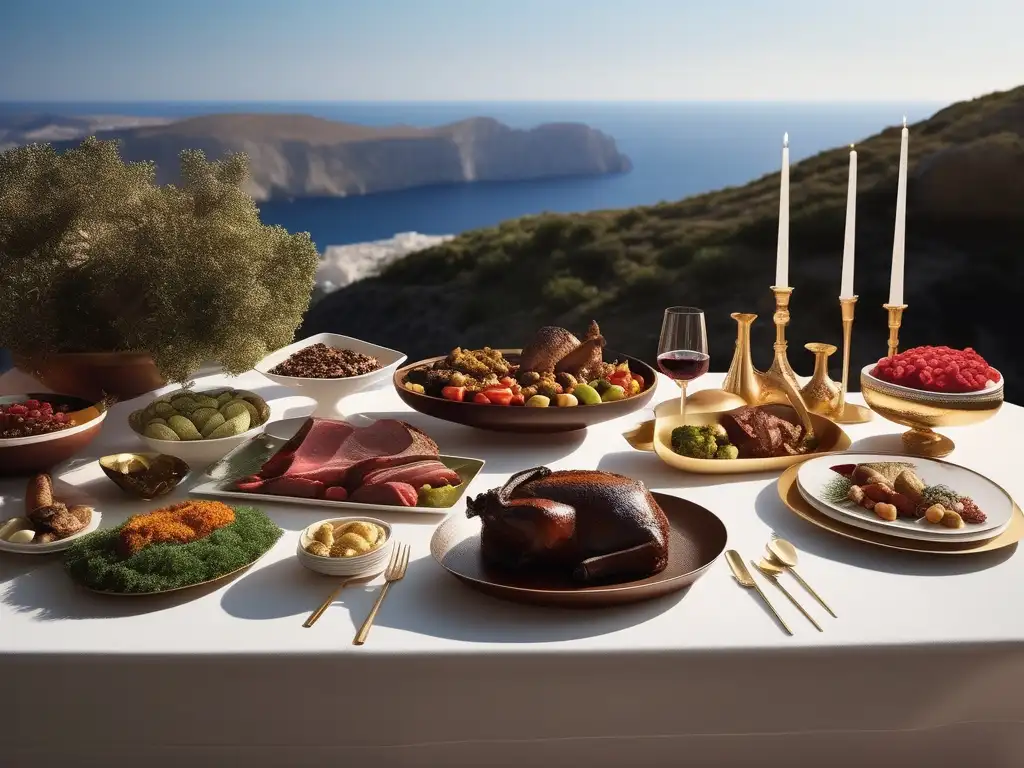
{"x": 319, "y": 361}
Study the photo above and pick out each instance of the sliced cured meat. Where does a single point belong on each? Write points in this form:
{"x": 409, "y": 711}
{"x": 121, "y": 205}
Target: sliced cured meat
{"x": 299, "y": 487}
{"x": 395, "y": 494}
{"x": 336, "y": 493}
{"x": 417, "y": 474}
{"x": 326, "y": 453}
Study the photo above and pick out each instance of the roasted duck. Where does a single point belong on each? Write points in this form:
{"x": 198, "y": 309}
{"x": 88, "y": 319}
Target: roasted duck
{"x": 556, "y": 350}
{"x": 592, "y": 526}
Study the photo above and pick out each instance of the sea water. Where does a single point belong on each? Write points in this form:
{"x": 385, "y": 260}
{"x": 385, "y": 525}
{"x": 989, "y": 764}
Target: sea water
{"x": 677, "y": 149}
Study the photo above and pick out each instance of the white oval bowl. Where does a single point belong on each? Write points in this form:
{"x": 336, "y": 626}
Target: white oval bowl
{"x": 199, "y": 454}
{"x": 361, "y": 565}
{"x": 328, "y": 393}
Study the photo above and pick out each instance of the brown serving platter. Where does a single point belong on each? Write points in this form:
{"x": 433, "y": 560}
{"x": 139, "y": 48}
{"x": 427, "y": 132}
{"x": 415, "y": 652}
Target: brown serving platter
{"x": 505, "y": 418}
{"x": 697, "y": 538}
{"x": 36, "y": 453}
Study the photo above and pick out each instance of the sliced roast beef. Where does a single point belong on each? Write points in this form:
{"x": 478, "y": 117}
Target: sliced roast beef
{"x": 316, "y": 442}
{"x": 329, "y": 454}
{"x": 336, "y": 493}
{"x": 395, "y": 494}
{"x": 417, "y": 474}
{"x": 284, "y": 485}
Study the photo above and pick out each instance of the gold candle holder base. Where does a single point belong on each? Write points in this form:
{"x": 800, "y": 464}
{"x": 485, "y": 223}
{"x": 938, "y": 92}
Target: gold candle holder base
{"x": 926, "y": 443}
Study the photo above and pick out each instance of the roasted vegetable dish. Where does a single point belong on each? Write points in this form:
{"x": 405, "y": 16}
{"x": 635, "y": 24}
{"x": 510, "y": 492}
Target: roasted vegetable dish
{"x": 555, "y": 370}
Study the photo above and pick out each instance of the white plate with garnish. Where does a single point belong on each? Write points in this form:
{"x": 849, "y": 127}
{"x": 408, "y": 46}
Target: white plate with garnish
{"x": 923, "y": 482}
{"x": 21, "y": 523}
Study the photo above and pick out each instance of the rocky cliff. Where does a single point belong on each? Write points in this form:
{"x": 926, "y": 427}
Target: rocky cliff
{"x": 303, "y": 156}
{"x": 964, "y": 271}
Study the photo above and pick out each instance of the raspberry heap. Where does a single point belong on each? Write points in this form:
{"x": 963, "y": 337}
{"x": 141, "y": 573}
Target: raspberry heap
{"x": 937, "y": 369}
{"x": 32, "y": 417}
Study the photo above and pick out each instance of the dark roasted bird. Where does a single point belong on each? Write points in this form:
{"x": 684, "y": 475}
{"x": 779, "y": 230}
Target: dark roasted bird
{"x": 591, "y": 526}
{"x": 556, "y": 350}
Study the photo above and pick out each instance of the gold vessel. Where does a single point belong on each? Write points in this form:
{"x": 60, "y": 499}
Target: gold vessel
{"x": 780, "y": 384}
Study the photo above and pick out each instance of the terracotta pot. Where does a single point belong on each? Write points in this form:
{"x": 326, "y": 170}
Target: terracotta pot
{"x": 95, "y": 375}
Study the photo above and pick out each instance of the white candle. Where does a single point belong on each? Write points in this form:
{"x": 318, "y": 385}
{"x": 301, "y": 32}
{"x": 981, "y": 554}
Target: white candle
{"x": 900, "y": 235}
{"x": 782, "y": 255}
{"x": 846, "y": 291}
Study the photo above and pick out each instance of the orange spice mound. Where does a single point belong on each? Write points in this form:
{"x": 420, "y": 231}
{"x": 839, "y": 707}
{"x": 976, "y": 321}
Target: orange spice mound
{"x": 176, "y": 524}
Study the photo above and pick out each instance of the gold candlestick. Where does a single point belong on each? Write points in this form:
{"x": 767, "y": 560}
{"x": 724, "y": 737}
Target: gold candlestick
{"x": 848, "y": 413}
{"x": 895, "y": 320}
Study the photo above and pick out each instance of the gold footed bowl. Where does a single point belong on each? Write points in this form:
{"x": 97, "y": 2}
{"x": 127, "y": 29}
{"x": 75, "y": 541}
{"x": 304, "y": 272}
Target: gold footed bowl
{"x": 923, "y": 411}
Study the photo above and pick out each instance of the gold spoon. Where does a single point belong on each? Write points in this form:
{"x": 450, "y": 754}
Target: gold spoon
{"x": 742, "y": 575}
{"x": 783, "y": 553}
{"x": 773, "y": 571}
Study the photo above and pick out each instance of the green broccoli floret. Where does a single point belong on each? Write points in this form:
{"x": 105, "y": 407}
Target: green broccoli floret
{"x": 695, "y": 442}
{"x": 727, "y": 451}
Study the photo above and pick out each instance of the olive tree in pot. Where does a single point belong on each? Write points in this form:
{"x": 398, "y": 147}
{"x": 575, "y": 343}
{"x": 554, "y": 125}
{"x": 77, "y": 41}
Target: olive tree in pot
{"x": 110, "y": 285}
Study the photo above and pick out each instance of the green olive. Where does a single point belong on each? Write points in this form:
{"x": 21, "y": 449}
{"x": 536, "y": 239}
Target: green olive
{"x": 613, "y": 393}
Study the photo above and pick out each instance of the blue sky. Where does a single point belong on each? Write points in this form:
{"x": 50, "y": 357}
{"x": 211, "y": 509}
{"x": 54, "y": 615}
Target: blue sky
{"x": 303, "y": 50}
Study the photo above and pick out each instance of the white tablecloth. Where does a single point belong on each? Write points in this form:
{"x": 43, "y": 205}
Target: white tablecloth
{"x": 923, "y": 666}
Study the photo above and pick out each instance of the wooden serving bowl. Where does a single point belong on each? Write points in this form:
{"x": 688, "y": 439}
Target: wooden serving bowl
{"x": 37, "y": 453}
{"x": 505, "y": 418}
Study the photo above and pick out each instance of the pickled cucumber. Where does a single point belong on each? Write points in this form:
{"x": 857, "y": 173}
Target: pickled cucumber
{"x": 212, "y": 423}
{"x": 200, "y": 416}
{"x": 160, "y": 432}
{"x": 444, "y": 496}
{"x": 231, "y": 427}
{"x": 184, "y": 428}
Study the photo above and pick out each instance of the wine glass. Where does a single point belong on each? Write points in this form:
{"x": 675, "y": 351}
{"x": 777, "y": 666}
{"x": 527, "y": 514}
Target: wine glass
{"x": 683, "y": 348}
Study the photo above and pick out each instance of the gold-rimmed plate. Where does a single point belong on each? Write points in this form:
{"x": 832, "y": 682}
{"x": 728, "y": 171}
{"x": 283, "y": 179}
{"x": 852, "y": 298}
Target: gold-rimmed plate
{"x": 214, "y": 580}
{"x": 697, "y": 538}
{"x": 790, "y": 494}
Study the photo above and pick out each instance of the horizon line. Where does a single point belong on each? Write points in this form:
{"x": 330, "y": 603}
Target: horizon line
{"x": 472, "y": 101}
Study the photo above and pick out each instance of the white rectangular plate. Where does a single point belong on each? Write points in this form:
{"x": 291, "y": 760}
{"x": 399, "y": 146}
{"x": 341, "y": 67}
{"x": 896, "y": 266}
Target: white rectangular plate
{"x": 247, "y": 459}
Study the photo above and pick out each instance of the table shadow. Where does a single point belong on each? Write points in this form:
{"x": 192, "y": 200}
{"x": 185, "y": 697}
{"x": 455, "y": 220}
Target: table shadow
{"x": 428, "y": 601}
{"x": 890, "y": 442}
{"x": 52, "y": 596}
{"x": 656, "y": 474}
{"x": 809, "y": 538}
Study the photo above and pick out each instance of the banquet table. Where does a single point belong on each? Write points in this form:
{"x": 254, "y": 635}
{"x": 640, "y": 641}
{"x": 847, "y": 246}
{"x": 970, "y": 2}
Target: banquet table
{"x": 924, "y": 665}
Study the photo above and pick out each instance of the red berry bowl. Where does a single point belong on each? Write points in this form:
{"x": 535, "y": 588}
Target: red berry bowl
{"x": 923, "y": 410}
{"x": 34, "y": 435}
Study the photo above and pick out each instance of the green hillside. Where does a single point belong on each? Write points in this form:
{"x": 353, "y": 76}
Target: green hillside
{"x": 717, "y": 251}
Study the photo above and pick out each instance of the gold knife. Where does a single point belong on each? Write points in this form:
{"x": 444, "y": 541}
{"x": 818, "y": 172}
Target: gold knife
{"x": 743, "y": 577}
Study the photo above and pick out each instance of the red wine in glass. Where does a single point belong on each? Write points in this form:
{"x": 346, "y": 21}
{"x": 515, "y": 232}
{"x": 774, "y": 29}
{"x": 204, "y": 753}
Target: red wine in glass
{"x": 683, "y": 347}
{"x": 683, "y": 364}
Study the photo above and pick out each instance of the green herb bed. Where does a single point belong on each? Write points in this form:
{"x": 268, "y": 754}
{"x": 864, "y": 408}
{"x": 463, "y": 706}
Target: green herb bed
{"x": 94, "y": 562}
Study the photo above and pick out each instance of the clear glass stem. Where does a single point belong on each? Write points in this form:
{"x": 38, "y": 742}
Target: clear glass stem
{"x": 682, "y": 400}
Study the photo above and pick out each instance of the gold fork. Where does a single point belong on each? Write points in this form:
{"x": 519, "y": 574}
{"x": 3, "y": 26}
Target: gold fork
{"x": 315, "y": 615}
{"x": 395, "y": 571}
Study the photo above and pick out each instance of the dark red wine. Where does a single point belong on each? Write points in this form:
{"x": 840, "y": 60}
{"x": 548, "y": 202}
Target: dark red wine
{"x": 684, "y": 365}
